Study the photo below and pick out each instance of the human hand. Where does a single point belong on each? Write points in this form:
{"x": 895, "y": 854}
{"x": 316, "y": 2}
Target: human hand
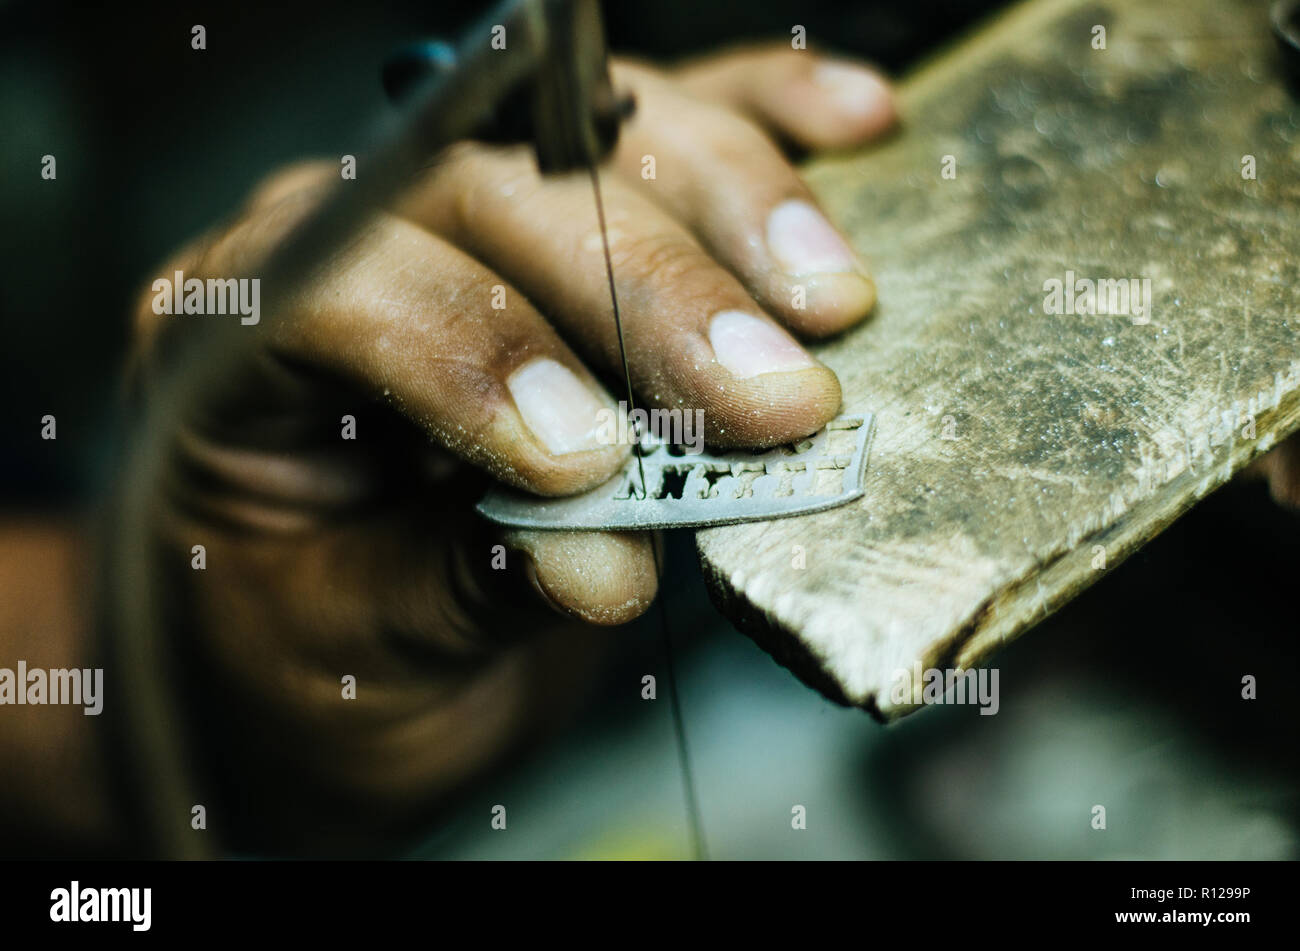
{"x": 328, "y": 557}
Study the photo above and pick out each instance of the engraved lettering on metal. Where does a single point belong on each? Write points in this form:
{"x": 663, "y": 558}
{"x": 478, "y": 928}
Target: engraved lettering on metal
{"x": 694, "y": 490}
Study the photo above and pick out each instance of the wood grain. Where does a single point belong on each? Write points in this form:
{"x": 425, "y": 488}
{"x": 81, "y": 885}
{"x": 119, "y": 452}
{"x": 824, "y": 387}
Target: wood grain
{"x": 1075, "y": 434}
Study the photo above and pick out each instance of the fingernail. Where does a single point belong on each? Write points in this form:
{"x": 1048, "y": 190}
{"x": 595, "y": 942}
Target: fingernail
{"x": 804, "y": 242}
{"x": 559, "y": 408}
{"x": 856, "y": 92}
{"x": 748, "y": 346}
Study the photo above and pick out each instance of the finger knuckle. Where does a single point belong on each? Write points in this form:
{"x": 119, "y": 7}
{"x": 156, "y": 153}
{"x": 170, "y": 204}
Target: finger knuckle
{"x": 659, "y": 261}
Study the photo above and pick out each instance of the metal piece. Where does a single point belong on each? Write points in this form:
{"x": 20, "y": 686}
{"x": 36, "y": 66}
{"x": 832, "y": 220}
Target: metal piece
{"x": 618, "y": 320}
{"x": 575, "y": 110}
{"x": 698, "y": 847}
{"x": 692, "y": 491}
{"x": 564, "y": 105}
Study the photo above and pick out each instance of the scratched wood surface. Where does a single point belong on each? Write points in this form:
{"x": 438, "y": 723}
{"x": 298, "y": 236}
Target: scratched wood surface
{"x": 1073, "y": 436}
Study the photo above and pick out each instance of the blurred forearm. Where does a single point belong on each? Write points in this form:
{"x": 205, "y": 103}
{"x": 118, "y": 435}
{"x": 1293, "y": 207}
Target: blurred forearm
{"x": 54, "y": 794}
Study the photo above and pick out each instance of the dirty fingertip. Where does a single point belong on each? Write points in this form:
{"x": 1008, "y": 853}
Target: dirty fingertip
{"x": 604, "y": 578}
